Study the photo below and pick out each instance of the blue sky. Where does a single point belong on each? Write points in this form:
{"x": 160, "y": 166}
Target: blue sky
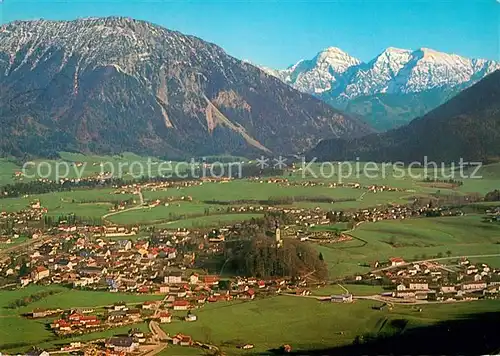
{"x": 279, "y": 33}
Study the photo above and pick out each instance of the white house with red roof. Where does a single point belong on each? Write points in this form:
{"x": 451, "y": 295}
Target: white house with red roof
{"x": 396, "y": 261}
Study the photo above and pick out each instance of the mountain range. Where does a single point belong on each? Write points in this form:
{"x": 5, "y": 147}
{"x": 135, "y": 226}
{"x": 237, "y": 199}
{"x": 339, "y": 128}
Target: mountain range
{"x": 467, "y": 126}
{"x": 391, "y": 89}
{"x": 108, "y": 85}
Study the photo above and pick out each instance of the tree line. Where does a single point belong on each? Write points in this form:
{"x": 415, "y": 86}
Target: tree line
{"x": 280, "y": 200}
{"x": 41, "y": 187}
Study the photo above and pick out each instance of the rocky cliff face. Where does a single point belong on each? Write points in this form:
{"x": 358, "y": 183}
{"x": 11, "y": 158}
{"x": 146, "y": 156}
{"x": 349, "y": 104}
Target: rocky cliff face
{"x": 108, "y": 85}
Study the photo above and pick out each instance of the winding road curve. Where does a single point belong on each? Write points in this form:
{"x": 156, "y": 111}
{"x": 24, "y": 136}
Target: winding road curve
{"x": 137, "y": 207}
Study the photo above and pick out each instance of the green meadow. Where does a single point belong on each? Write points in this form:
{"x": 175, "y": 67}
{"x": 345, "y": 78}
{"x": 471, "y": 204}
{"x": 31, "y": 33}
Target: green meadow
{"x": 83, "y": 202}
{"x": 161, "y": 213}
{"x": 76, "y": 165}
{"x": 208, "y": 221}
{"x": 411, "y": 239}
{"x": 97, "y": 202}
{"x": 17, "y": 331}
{"x": 305, "y": 323}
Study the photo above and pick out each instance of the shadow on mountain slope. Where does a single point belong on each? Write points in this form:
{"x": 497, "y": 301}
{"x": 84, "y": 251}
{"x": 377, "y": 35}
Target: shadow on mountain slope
{"x": 475, "y": 334}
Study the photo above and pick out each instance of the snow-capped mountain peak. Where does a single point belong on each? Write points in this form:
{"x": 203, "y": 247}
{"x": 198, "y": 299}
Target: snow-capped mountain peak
{"x": 392, "y": 56}
{"x": 334, "y": 73}
{"x": 318, "y": 74}
{"x": 335, "y": 59}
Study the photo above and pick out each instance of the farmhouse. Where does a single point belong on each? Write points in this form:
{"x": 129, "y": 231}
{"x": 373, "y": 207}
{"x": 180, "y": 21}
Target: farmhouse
{"x": 211, "y": 280}
{"x": 418, "y": 286}
{"x": 343, "y": 298}
{"x": 181, "y": 305}
{"x": 39, "y": 273}
{"x": 165, "y": 318}
{"x": 396, "y": 261}
{"x": 122, "y": 344}
{"x": 173, "y": 278}
{"x": 40, "y": 313}
{"x": 182, "y": 340}
{"x": 448, "y": 289}
{"x": 405, "y": 294}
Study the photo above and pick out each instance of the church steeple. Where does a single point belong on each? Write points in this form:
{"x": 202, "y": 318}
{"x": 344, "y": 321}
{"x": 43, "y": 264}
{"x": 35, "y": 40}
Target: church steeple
{"x": 279, "y": 241}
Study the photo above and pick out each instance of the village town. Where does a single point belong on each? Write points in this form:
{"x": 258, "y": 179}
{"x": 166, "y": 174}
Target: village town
{"x": 111, "y": 259}
{"x": 171, "y": 268}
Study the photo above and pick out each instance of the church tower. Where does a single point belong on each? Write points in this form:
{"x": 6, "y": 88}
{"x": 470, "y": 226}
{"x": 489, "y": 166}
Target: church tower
{"x": 279, "y": 241}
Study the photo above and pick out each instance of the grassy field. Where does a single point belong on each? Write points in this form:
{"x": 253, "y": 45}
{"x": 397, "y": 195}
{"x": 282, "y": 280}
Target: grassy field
{"x": 80, "y": 202}
{"x": 410, "y": 239}
{"x": 14, "y": 242}
{"x": 95, "y": 203}
{"x": 208, "y": 221}
{"x": 76, "y": 165}
{"x": 15, "y": 329}
{"x": 7, "y": 170}
{"x": 338, "y": 227}
{"x": 251, "y": 190}
{"x": 306, "y": 323}
{"x": 172, "y": 350}
{"x": 483, "y": 181}
{"x": 163, "y": 213}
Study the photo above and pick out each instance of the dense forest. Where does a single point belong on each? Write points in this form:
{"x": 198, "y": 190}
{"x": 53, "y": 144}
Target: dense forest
{"x": 493, "y": 196}
{"x": 261, "y": 258}
{"x": 251, "y": 251}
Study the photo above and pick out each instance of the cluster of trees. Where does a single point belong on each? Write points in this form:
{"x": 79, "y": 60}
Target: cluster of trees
{"x": 493, "y": 196}
{"x": 7, "y": 226}
{"x": 438, "y": 255}
{"x": 115, "y": 204}
{"x": 450, "y": 181}
{"x": 42, "y": 187}
{"x": 253, "y": 251}
{"x": 279, "y": 200}
{"x": 22, "y": 302}
{"x": 264, "y": 225}
{"x": 336, "y": 217}
{"x": 440, "y": 200}
{"x": 261, "y": 258}
{"x": 71, "y": 219}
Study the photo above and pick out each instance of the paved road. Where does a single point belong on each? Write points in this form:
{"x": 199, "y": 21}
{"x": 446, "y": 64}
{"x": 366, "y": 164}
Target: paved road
{"x": 344, "y": 288}
{"x": 155, "y": 350}
{"x": 390, "y": 300}
{"x": 137, "y": 207}
{"x": 378, "y": 298}
{"x": 157, "y": 331}
{"x": 160, "y": 338}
